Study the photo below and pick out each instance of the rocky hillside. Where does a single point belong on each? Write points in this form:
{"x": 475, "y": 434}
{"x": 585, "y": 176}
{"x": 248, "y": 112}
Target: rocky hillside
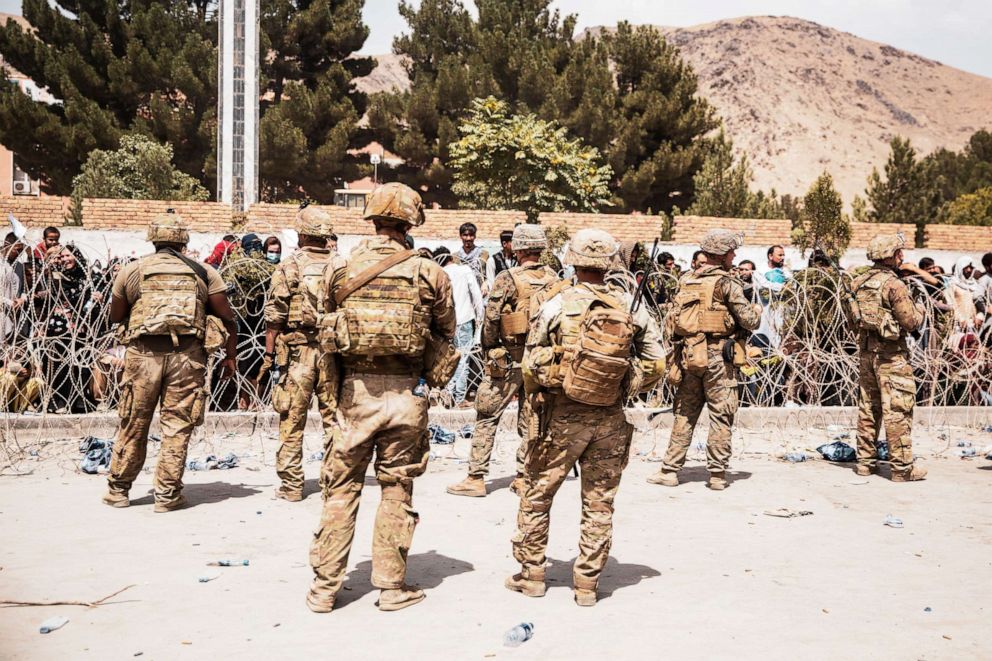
{"x": 800, "y": 98}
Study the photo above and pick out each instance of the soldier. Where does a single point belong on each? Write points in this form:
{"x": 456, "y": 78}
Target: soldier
{"x": 381, "y": 305}
{"x": 163, "y": 301}
{"x": 582, "y": 344}
{"x": 886, "y": 387}
{"x": 504, "y": 334}
{"x": 709, "y": 310}
{"x": 291, "y": 314}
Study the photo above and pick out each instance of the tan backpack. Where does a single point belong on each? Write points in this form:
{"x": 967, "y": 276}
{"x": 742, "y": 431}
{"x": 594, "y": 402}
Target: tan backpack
{"x": 875, "y": 317}
{"x": 595, "y": 366}
{"x": 513, "y": 326}
{"x": 305, "y": 276}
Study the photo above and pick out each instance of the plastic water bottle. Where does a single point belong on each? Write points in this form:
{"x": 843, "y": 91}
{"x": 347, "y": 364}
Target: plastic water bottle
{"x": 275, "y": 374}
{"x": 228, "y": 563}
{"x": 518, "y": 634}
{"x": 964, "y": 444}
{"x": 421, "y": 389}
{"x": 795, "y": 457}
{"x": 967, "y": 452}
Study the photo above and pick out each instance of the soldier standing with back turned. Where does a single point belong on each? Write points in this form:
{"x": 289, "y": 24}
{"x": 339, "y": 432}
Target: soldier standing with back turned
{"x": 291, "y": 315}
{"x": 886, "y": 387}
{"x": 709, "y": 310}
{"x": 504, "y": 334}
{"x": 163, "y": 300}
{"x": 382, "y": 307}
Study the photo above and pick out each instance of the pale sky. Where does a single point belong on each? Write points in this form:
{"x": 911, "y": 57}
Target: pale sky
{"x": 955, "y": 32}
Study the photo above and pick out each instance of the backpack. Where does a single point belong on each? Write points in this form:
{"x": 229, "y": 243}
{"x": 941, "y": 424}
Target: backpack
{"x": 875, "y": 316}
{"x": 596, "y": 364}
{"x": 305, "y": 277}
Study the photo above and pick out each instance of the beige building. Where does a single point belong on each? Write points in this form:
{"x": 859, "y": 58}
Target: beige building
{"x": 14, "y": 181}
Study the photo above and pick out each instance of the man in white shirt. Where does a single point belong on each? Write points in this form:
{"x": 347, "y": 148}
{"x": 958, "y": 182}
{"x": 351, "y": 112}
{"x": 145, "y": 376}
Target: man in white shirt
{"x": 469, "y": 308}
{"x": 9, "y": 283}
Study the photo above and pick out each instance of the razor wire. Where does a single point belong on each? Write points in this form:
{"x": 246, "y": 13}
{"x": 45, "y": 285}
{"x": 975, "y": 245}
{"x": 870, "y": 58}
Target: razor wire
{"x": 61, "y": 355}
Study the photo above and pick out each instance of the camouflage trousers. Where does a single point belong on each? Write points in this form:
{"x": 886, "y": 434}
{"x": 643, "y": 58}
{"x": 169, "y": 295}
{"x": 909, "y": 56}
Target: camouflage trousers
{"x": 309, "y": 371}
{"x": 886, "y": 396}
{"x": 492, "y": 399}
{"x": 18, "y": 393}
{"x": 598, "y": 438}
{"x": 377, "y": 415}
{"x": 175, "y": 380}
{"x": 716, "y": 388}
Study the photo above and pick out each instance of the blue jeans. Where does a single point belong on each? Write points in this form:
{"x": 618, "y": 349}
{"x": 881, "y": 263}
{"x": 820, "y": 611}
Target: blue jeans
{"x": 464, "y": 338}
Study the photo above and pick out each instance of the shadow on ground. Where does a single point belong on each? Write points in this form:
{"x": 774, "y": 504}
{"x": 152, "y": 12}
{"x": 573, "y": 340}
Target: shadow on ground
{"x": 616, "y": 576}
{"x": 424, "y": 570}
{"x": 211, "y": 492}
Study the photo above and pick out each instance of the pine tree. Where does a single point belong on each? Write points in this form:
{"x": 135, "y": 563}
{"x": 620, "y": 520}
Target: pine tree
{"x": 823, "y": 225}
{"x": 146, "y": 67}
{"x": 722, "y": 187}
{"x": 311, "y": 120}
{"x": 901, "y": 196}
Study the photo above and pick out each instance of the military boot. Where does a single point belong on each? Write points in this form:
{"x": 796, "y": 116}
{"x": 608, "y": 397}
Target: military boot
{"x": 116, "y": 499}
{"x": 585, "y": 597}
{"x": 291, "y": 496}
{"x": 914, "y": 474}
{"x": 319, "y": 598}
{"x": 532, "y": 585}
{"x": 176, "y": 504}
{"x": 396, "y": 599}
{"x": 665, "y": 478}
{"x": 470, "y": 486}
{"x": 718, "y": 481}
{"x": 864, "y": 470}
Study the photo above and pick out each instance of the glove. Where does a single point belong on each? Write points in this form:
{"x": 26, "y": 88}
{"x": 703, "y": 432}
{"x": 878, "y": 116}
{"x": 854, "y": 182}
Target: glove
{"x": 266, "y": 365}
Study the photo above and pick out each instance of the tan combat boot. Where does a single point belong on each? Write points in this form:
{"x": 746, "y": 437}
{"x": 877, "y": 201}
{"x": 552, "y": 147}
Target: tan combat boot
{"x": 399, "y": 598}
{"x": 319, "y": 600}
{"x": 288, "y": 495}
{"x": 585, "y": 597}
{"x": 718, "y": 481}
{"x": 531, "y": 586}
{"x": 665, "y": 478}
{"x": 864, "y": 470}
{"x": 116, "y": 499}
{"x": 474, "y": 487}
{"x": 176, "y": 504}
{"x": 914, "y": 474}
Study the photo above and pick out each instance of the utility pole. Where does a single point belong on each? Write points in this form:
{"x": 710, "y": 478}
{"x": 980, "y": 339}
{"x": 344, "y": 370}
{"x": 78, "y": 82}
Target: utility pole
{"x": 237, "y": 111}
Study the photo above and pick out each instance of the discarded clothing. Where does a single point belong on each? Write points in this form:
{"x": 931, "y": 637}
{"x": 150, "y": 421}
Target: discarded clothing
{"x": 97, "y": 453}
{"x": 837, "y": 451}
{"x": 212, "y": 462}
{"x": 440, "y": 435}
{"x": 795, "y": 457}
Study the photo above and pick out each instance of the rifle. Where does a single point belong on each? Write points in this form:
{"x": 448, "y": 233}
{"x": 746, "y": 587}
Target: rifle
{"x": 852, "y": 308}
{"x": 639, "y": 292}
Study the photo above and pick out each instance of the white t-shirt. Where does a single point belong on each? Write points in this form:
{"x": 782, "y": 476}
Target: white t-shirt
{"x": 466, "y": 293}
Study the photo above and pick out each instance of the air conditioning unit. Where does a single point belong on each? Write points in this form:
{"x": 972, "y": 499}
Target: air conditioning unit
{"x": 22, "y": 188}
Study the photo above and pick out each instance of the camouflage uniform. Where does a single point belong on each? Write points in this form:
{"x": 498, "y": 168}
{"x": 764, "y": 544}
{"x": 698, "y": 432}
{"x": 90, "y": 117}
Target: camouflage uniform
{"x": 596, "y": 437}
{"x": 886, "y": 387}
{"x": 714, "y": 385}
{"x": 503, "y": 382}
{"x": 379, "y": 414}
{"x": 292, "y": 309}
{"x": 161, "y": 368}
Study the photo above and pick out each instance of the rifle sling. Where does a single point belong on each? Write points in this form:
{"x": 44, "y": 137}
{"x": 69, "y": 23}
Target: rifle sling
{"x": 198, "y": 269}
{"x": 370, "y": 274}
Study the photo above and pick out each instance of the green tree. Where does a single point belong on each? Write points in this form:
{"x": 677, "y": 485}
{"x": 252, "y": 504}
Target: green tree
{"x": 145, "y": 67}
{"x": 901, "y": 196}
{"x": 970, "y": 209}
{"x": 310, "y": 114}
{"x": 507, "y": 161}
{"x": 722, "y": 187}
{"x": 140, "y": 169}
{"x": 822, "y": 223}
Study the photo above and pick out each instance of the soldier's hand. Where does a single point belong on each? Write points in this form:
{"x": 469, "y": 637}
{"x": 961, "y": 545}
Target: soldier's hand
{"x": 266, "y": 365}
{"x": 227, "y": 368}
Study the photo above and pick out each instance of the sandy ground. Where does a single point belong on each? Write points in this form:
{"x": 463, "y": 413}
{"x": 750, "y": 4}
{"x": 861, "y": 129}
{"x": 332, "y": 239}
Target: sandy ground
{"x": 693, "y": 573}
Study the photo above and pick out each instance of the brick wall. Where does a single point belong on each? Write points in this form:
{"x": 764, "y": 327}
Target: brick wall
{"x": 267, "y": 218}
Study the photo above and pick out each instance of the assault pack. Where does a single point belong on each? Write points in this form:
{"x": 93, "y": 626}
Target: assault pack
{"x": 596, "y": 364}
{"x": 514, "y": 324}
{"x": 304, "y": 277}
{"x": 875, "y": 317}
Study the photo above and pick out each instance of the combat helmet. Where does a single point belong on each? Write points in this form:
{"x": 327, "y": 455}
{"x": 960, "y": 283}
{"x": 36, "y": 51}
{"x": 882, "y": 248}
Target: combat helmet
{"x": 528, "y": 236}
{"x": 720, "y": 242}
{"x": 168, "y": 227}
{"x": 591, "y": 249}
{"x": 883, "y": 246}
{"x": 395, "y": 202}
{"x": 311, "y": 221}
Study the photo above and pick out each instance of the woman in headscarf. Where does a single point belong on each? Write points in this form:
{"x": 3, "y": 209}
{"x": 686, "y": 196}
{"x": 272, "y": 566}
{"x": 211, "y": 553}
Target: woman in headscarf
{"x": 961, "y": 293}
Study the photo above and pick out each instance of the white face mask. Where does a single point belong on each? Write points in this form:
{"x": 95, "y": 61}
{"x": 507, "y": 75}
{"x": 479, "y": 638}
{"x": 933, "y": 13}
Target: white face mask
{"x": 273, "y": 257}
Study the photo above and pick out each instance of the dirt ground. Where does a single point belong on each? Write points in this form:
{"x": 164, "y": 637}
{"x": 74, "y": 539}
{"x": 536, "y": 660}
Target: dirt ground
{"x": 693, "y": 573}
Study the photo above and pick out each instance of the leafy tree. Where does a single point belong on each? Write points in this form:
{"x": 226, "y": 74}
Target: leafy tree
{"x": 311, "y": 112}
{"x": 722, "y": 187}
{"x": 143, "y": 66}
{"x": 140, "y": 169}
{"x": 899, "y": 197}
{"x": 970, "y": 209}
{"x": 507, "y": 161}
{"x": 823, "y": 225}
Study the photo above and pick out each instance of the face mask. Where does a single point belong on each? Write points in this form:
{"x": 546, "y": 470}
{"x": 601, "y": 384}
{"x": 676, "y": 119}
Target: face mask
{"x": 273, "y": 257}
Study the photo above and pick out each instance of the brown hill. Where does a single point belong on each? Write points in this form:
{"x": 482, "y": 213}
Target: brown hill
{"x": 800, "y": 98}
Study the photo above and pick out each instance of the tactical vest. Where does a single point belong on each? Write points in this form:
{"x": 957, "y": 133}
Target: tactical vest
{"x": 170, "y": 303}
{"x": 304, "y": 278}
{"x": 697, "y": 309}
{"x": 514, "y": 322}
{"x": 876, "y": 317}
{"x": 386, "y": 316}
{"x": 596, "y": 337}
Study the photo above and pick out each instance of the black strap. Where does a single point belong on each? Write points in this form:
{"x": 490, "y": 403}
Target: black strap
{"x": 199, "y": 269}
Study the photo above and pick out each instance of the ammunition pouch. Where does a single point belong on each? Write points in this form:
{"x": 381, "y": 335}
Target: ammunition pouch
{"x": 440, "y": 361}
